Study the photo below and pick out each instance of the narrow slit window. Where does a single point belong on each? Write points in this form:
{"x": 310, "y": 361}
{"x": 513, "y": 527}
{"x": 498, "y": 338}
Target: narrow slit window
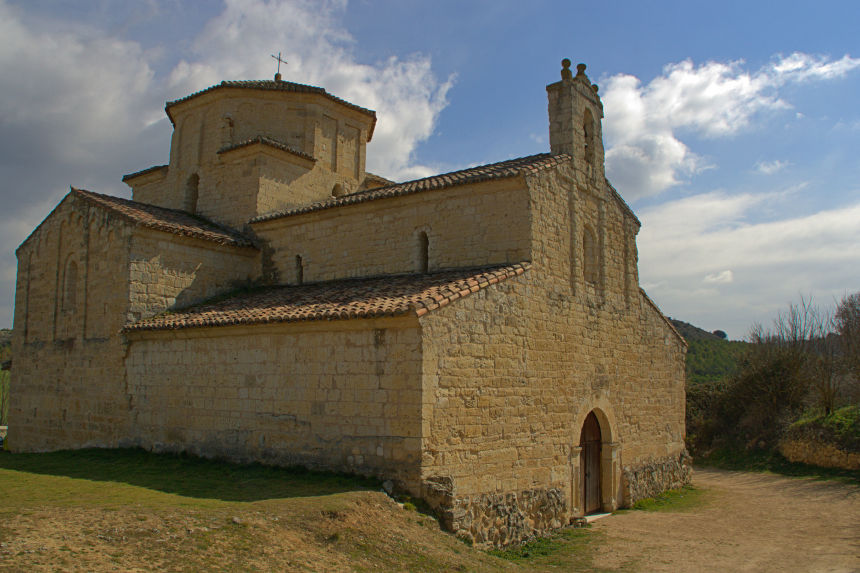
{"x": 300, "y": 270}
{"x": 191, "y": 193}
{"x": 423, "y": 252}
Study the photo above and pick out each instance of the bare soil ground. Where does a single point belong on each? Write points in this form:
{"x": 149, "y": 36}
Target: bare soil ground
{"x": 747, "y": 522}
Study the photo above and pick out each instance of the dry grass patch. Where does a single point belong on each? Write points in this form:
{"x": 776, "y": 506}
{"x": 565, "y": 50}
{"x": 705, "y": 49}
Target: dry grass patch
{"x": 107, "y": 510}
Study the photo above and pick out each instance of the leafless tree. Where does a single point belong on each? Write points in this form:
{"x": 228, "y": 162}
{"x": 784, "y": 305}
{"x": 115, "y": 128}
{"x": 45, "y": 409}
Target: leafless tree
{"x": 846, "y": 322}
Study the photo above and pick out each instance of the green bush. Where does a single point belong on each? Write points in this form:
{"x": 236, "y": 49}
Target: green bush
{"x": 841, "y": 428}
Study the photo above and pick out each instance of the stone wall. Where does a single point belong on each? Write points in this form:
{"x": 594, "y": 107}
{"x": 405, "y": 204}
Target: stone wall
{"x": 502, "y": 519}
{"x": 340, "y": 395}
{"x": 165, "y": 271}
{"x": 651, "y": 478}
{"x": 467, "y": 226}
{"x": 819, "y": 453}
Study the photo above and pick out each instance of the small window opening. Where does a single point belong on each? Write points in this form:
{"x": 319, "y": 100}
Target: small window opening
{"x": 227, "y": 131}
{"x": 300, "y": 270}
{"x": 337, "y": 190}
{"x": 191, "y": 193}
{"x": 423, "y": 252}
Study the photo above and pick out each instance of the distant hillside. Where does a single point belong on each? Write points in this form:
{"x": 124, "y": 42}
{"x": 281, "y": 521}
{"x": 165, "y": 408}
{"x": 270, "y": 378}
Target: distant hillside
{"x": 690, "y": 332}
{"x": 710, "y": 357}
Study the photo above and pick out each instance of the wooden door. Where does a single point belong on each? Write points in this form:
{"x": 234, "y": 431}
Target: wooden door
{"x": 589, "y": 441}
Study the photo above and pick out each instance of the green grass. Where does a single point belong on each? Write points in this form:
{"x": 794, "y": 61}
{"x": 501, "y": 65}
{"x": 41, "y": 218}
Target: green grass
{"x": 684, "y": 499}
{"x": 184, "y": 475}
{"x": 774, "y": 462}
{"x": 571, "y": 549}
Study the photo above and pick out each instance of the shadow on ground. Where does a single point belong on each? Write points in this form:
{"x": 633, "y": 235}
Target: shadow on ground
{"x": 774, "y": 462}
{"x": 187, "y": 475}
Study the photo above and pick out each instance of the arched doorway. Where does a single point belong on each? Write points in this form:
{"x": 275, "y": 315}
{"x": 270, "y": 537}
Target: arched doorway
{"x": 589, "y": 463}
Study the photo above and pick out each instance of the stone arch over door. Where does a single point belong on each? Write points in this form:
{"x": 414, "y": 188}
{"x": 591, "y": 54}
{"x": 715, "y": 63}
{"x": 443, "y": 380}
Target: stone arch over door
{"x": 595, "y": 422}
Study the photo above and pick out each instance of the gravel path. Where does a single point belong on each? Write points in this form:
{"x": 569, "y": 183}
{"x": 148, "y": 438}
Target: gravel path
{"x": 748, "y": 522}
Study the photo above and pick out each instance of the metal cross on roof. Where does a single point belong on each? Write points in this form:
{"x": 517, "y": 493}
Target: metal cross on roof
{"x": 280, "y": 61}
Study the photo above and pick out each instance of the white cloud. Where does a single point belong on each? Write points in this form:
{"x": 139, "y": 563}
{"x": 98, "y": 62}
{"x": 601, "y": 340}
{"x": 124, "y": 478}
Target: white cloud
{"x": 72, "y": 89}
{"x": 771, "y": 167}
{"x": 75, "y": 100}
{"x": 771, "y": 262}
{"x": 644, "y": 153}
{"x": 404, "y": 92}
{"x": 723, "y": 277}
{"x": 802, "y": 67}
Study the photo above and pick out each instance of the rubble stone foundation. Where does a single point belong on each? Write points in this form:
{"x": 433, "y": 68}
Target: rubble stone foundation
{"x": 654, "y": 477}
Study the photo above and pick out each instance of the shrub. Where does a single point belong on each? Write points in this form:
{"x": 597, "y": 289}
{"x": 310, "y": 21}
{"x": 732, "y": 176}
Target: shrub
{"x": 841, "y": 428}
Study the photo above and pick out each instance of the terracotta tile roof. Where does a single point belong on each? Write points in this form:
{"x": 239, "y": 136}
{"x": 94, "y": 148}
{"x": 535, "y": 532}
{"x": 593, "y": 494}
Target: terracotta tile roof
{"x": 167, "y": 220}
{"x": 273, "y": 85}
{"x": 501, "y": 170}
{"x": 269, "y": 142}
{"x": 336, "y": 300}
{"x": 144, "y": 172}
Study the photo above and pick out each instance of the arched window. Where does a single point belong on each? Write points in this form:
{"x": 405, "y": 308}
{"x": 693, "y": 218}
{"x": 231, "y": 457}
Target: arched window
{"x": 191, "y": 193}
{"x": 337, "y": 190}
{"x": 70, "y": 286}
{"x": 588, "y": 134}
{"x": 300, "y": 270}
{"x": 227, "y": 130}
{"x": 423, "y": 258}
{"x": 590, "y": 256}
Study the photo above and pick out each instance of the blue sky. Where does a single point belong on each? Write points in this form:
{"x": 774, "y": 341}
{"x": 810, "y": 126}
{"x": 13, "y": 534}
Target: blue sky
{"x": 732, "y": 128}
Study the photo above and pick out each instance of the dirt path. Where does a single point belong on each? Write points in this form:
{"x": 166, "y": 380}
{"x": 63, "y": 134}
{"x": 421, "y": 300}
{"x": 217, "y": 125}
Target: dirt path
{"x": 749, "y": 522}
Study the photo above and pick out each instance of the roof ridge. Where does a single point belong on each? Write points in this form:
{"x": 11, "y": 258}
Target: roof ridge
{"x": 270, "y": 141}
{"x": 515, "y": 160}
{"x": 477, "y": 174}
{"x": 142, "y": 172}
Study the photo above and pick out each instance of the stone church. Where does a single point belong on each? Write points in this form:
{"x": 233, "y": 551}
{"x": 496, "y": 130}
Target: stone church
{"x": 477, "y": 337}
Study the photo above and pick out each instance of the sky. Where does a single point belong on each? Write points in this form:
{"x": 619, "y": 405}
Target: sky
{"x": 731, "y": 128}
